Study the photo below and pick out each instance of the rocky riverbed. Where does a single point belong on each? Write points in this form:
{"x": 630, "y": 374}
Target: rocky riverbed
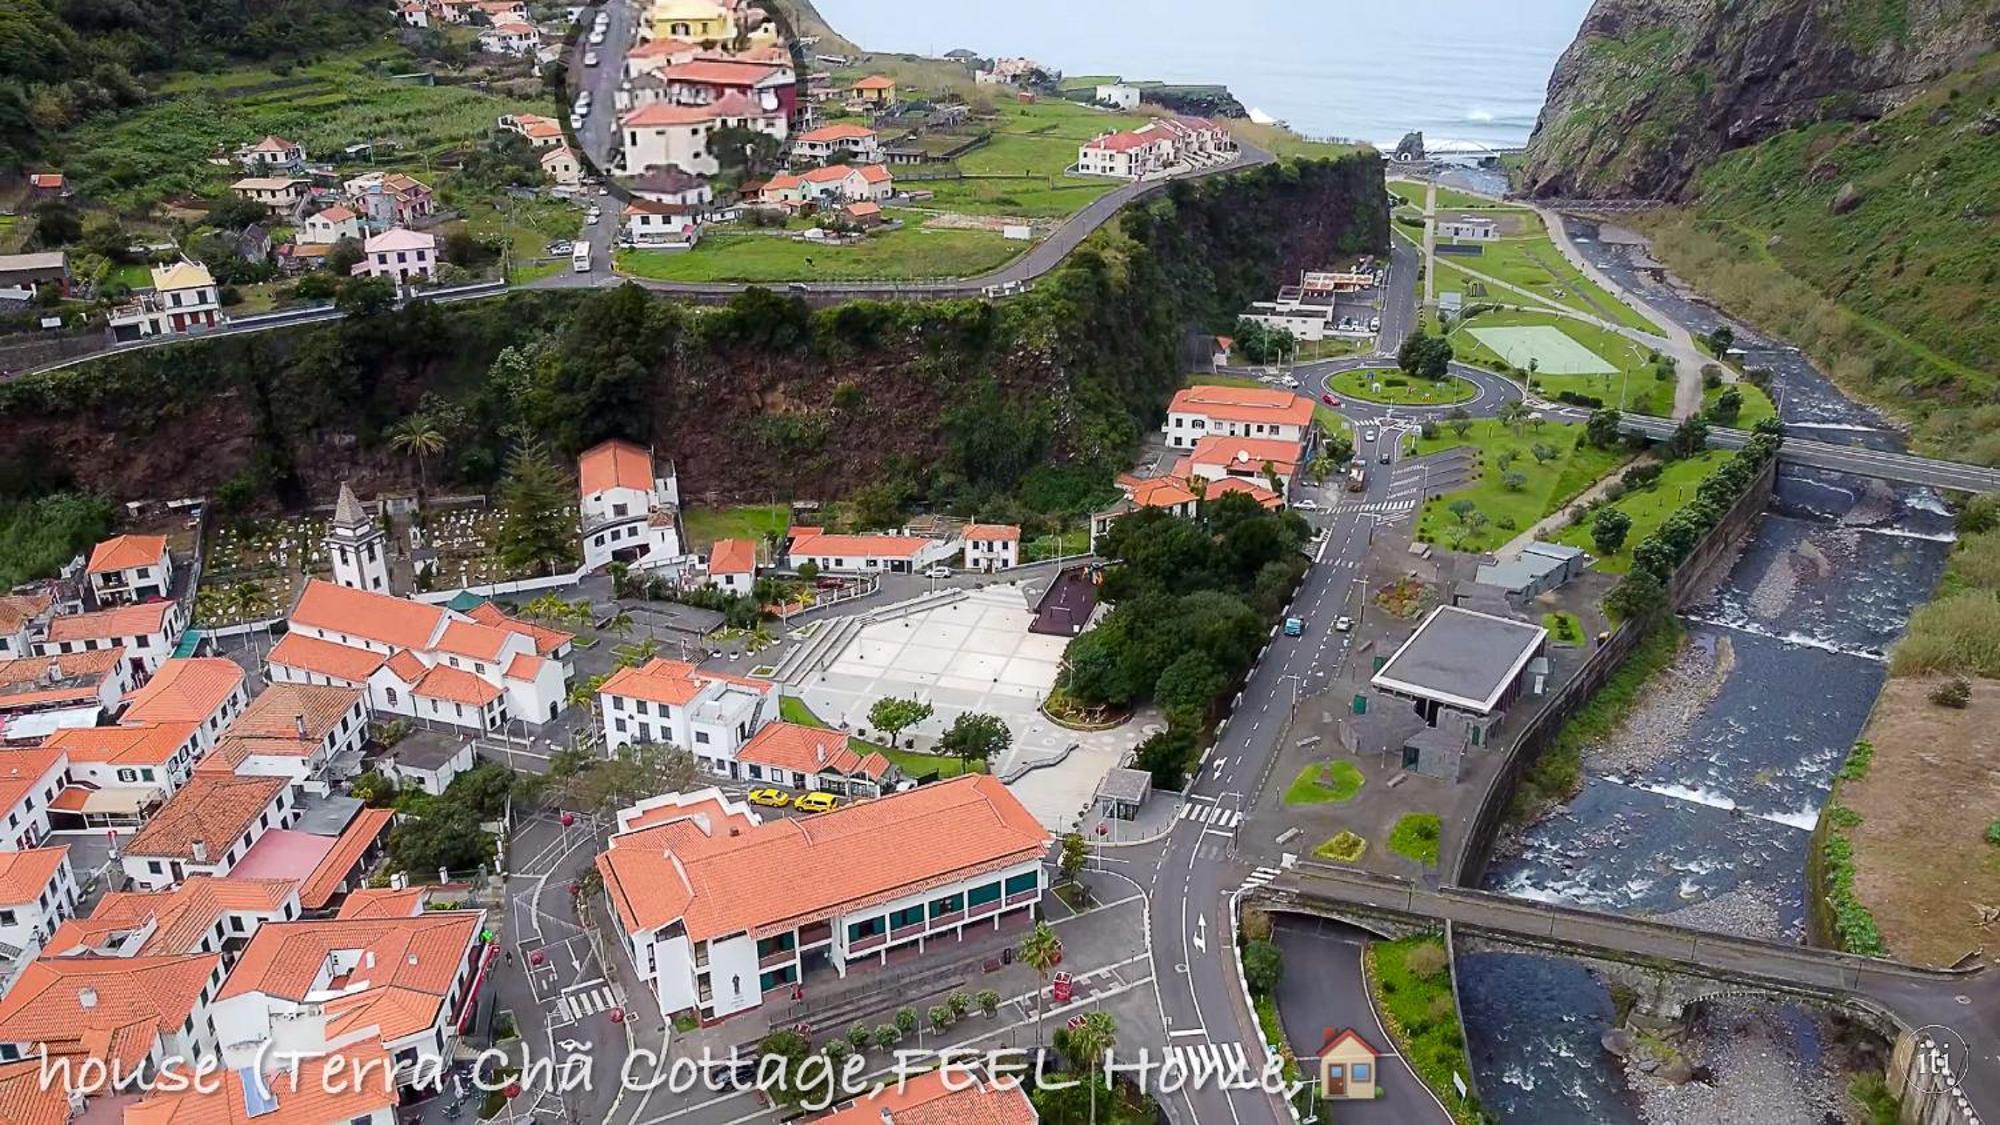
{"x": 1737, "y": 1062}
{"x": 1658, "y": 724}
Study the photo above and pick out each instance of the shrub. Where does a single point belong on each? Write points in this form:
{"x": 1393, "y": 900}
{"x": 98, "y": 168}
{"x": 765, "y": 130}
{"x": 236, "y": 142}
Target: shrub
{"x": 859, "y": 1035}
{"x": 1263, "y": 966}
{"x": 1954, "y": 692}
{"x": 906, "y": 1020}
{"x": 1642, "y": 475}
{"x": 887, "y": 1036}
{"x": 988, "y": 1001}
{"x": 1993, "y": 833}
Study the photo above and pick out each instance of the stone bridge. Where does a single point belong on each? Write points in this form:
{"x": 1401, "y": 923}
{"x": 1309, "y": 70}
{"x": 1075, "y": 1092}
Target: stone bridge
{"x": 1902, "y": 467}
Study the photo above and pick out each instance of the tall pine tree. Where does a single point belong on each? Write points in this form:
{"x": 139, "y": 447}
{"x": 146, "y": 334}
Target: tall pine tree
{"x": 538, "y": 532}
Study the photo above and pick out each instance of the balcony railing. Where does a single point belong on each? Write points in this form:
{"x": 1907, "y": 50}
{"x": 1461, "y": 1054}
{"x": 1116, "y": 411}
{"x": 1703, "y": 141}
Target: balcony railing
{"x": 898, "y": 933}
{"x": 982, "y": 909}
{"x": 948, "y": 918}
{"x": 816, "y": 933}
{"x": 777, "y": 957}
{"x": 1019, "y": 897}
{"x": 863, "y": 944}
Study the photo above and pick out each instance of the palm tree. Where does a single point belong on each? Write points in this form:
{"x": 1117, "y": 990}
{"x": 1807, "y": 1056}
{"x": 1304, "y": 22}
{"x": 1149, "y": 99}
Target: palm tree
{"x": 620, "y": 623}
{"x": 1091, "y": 1040}
{"x": 418, "y": 436}
{"x": 1042, "y": 951}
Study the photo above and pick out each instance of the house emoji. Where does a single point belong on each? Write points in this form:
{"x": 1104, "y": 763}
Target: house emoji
{"x": 1346, "y": 1066}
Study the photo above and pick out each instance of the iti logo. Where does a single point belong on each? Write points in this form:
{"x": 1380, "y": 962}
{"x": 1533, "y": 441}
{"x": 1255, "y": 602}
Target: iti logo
{"x": 1940, "y": 1059}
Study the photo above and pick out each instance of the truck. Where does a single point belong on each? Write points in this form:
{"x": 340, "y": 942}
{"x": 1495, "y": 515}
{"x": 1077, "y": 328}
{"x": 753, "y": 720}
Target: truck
{"x": 579, "y": 257}
{"x": 1294, "y": 627}
{"x": 1357, "y": 479}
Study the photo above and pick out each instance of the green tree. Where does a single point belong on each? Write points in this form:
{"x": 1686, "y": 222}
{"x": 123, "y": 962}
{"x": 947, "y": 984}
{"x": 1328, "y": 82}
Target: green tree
{"x": 57, "y": 224}
{"x": 1263, "y": 967}
{"x": 975, "y": 736}
{"x": 1460, "y": 420}
{"x": 1640, "y": 598}
{"x": 375, "y": 790}
{"x": 447, "y": 836}
{"x": 1425, "y": 356}
{"x": 484, "y": 789}
{"x": 1189, "y": 685}
{"x": 1689, "y": 438}
{"x": 1040, "y": 951}
{"x": 1727, "y": 407}
{"x": 1514, "y": 481}
{"x": 633, "y": 771}
{"x": 1088, "y": 1042}
{"x": 1543, "y": 452}
{"x": 364, "y": 297}
{"x": 343, "y": 257}
{"x": 794, "y": 1049}
{"x": 1513, "y": 414}
{"x": 1602, "y": 428}
{"x": 537, "y": 529}
{"x": 1721, "y": 339}
{"x": 893, "y": 716}
{"x": 1069, "y": 864}
{"x": 418, "y": 436}
{"x": 1166, "y": 756}
{"x": 1608, "y": 529}
{"x": 940, "y": 1017}
{"x": 1462, "y": 509}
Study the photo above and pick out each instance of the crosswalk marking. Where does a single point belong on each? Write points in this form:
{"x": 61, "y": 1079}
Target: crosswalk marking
{"x": 1213, "y": 815}
{"x": 1260, "y": 877}
{"x": 1379, "y": 507}
{"x": 578, "y": 1005}
{"x": 1206, "y": 1064}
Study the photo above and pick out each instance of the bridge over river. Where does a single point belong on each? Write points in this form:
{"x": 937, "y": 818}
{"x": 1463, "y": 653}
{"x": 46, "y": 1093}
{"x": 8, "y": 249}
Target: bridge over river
{"x": 1902, "y": 467}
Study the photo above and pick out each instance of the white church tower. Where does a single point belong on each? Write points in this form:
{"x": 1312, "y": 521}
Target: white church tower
{"x": 358, "y": 545}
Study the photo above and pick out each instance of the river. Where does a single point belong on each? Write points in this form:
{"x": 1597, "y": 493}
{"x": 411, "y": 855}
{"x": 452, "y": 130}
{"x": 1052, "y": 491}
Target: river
{"x": 1455, "y": 70}
{"x": 1709, "y": 826}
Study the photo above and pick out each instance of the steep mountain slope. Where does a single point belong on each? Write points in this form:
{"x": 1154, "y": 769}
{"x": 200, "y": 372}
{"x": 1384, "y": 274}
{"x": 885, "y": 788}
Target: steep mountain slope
{"x": 1652, "y": 91}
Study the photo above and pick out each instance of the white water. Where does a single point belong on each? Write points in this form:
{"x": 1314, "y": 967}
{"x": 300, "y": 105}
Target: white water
{"x": 1791, "y": 638}
{"x": 1696, "y": 795}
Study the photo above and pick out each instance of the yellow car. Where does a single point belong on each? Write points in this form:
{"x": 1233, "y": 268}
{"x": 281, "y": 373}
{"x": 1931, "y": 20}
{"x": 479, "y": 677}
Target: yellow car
{"x": 816, "y": 802}
{"x": 770, "y": 798}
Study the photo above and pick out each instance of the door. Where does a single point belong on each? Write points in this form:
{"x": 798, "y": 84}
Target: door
{"x": 1336, "y": 1081}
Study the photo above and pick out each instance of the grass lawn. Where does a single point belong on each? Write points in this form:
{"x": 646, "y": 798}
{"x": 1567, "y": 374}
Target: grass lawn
{"x": 1757, "y": 405}
{"x": 1398, "y": 389}
{"x": 794, "y": 710}
{"x": 1564, "y": 628}
{"x": 1280, "y": 141}
{"x": 911, "y": 252}
{"x": 1032, "y": 197}
{"x": 1415, "y": 1001}
{"x": 134, "y": 158}
{"x": 1342, "y": 847}
{"x": 1333, "y": 347}
{"x": 750, "y": 521}
{"x": 1415, "y": 836}
{"x": 1634, "y": 383}
{"x": 135, "y": 274}
{"x": 1321, "y": 782}
{"x": 1649, "y": 507}
{"x": 1055, "y": 546}
{"x": 528, "y": 225}
{"x": 1532, "y": 262}
{"x": 1543, "y": 487}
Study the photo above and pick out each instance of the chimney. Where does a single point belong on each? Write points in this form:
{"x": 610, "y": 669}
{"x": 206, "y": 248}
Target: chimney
{"x": 413, "y": 960}
{"x": 819, "y": 753}
{"x": 86, "y": 998}
{"x": 200, "y": 849}
{"x": 299, "y": 724}
{"x": 55, "y": 669}
{"x": 368, "y": 959}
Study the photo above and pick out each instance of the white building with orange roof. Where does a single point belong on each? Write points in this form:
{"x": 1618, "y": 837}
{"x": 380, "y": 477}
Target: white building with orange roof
{"x": 185, "y": 298}
{"x": 119, "y": 774}
{"x": 21, "y": 616}
{"x": 716, "y": 916}
{"x": 208, "y": 691}
{"x": 131, "y": 1014}
{"x": 400, "y": 984}
{"x": 934, "y": 1098}
{"x": 423, "y": 661}
{"x": 1255, "y": 412}
{"x": 658, "y": 54}
{"x": 29, "y": 782}
{"x": 273, "y": 155}
{"x": 629, "y": 508}
{"x": 991, "y": 546}
{"x": 828, "y": 141}
{"x": 661, "y": 133}
{"x": 202, "y": 915}
{"x": 709, "y": 714}
{"x": 130, "y": 568}
{"x": 802, "y": 757}
{"x": 73, "y": 690}
{"x": 147, "y": 632}
{"x": 309, "y": 733}
{"x": 206, "y": 827}
{"x": 1169, "y": 494}
{"x": 329, "y": 226}
{"x": 37, "y": 892}
{"x": 865, "y": 554}
{"x": 732, "y": 566}
{"x": 1269, "y": 462}
{"x": 346, "y": 1087}
{"x": 28, "y": 1098}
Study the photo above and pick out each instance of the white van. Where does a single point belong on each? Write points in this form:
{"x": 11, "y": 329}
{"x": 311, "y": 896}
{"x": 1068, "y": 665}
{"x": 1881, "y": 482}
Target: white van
{"x": 579, "y": 258}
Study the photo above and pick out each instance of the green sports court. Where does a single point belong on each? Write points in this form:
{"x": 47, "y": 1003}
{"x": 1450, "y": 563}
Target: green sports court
{"x": 1553, "y": 351}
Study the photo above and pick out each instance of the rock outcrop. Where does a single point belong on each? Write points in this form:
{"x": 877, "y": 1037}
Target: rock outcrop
{"x": 1651, "y": 91}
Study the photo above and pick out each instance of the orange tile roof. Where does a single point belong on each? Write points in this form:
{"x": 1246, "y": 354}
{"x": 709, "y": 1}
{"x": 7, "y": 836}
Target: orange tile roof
{"x": 732, "y": 556}
{"x": 455, "y": 685}
{"x": 875, "y": 174}
{"x": 1255, "y": 491}
{"x": 187, "y": 690}
{"x": 836, "y": 132}
{"x": 182, "y": 916}
{"x": 336, "y": 865}
{"x": 547, "y": 640}
{"x": 416, "y": 960}
{"x": 27, "y": 682}
{"x": 359, "y": 1087}
{"x": 667, "y": 114}
{"x": 142, "y": 620}
{"x": 670, "y": 681}
{"x": 341, "y": 662}
{"x": 927, "y": 1099}
{"x": 469, "y": 638}
{"x": 787, "y": 873}
{"x": 274, "y": 712}
{"x": 722, "y": 72}
{"x": 660, "y": 47}
{"x": 614, "y": 464}
{"x": 1247, "y": 454}
{"x": 831, "y": 174}
{"x": 875, "y": 82}
{"x": 17, "y": 609}
{"x": 124, "y": 552}
{"x": 813, "y": 541}
{"x": 136, "y": 1001}
{"x": 806, "y": 750}
{"x": 216, "y": 809}
{"x": 384, "y": 902}
{"x": 22, "y": 770}
{"x": 128, "y": 744}
{"x": 993, "y": 532}
{"x": 1268, "y": 405}
{"x": 27, "y": 1100}
{"x": 25, "y": 874}
{"x": 524, "y": 667}
{"x": 396, "y": 622}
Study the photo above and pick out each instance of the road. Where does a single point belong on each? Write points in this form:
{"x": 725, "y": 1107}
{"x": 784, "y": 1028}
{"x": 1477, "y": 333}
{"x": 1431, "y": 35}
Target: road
{"x": 1854, "y": 459}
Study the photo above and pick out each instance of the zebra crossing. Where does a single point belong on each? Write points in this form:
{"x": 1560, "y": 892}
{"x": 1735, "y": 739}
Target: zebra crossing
{"x": 572, "y": 1007}
{"x": 1259, "y": 877}
{"x": 1207, "y": 1065}
{"x": 1378, "y": 507}
{"x": 1215, "y": 816}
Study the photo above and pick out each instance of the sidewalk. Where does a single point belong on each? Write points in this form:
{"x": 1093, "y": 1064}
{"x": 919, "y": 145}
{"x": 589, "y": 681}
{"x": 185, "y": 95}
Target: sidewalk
{"x": 1557, "y": 520}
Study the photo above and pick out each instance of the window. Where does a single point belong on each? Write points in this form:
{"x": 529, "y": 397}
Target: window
{"x": 128, "y": 775}
{"x": 701, "y": 736}
{"x": 1361, "y": 1072}
{"x": 868, "y": 928}
{"x": 949, "y": 904}
{"x": 392, "y": 695}
{"x": 908, "y": 916}
{"x": 153, "y": 866}
{"x": 6, "y": 917}
{"x": 1025, "y": 881}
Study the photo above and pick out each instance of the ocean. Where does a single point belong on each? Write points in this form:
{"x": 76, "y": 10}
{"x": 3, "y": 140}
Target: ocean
{"x": 1459, "y": 70}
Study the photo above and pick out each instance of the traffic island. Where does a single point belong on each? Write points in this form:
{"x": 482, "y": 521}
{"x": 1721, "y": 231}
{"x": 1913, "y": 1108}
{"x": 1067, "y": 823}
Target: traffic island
{"x": 1411, "y": 982}
{"x": 1321, "y": 782}
{"x": 1343, "y": 847}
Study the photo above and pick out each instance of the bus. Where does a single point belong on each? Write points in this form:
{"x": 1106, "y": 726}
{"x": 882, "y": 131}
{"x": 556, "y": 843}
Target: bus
{"x": 579, "y": 258}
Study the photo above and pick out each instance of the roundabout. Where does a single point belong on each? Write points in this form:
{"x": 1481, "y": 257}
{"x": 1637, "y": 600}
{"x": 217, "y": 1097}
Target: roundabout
{"x": 1388, "y": 386}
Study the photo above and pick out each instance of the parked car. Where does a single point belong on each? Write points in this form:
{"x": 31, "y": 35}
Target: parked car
{"x": 1289, "y": 381}
{"x": 938, "y": 572}
{"x": 770, "y": 798}
{"x": 1307, "y": 505}
{"x": 1329, "y": 400}
{"x": 816, "y": 802}
{"x": 1342, "y": 624}
{"x": 590, "y": 58}
{"x": 1374, "y": 324}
